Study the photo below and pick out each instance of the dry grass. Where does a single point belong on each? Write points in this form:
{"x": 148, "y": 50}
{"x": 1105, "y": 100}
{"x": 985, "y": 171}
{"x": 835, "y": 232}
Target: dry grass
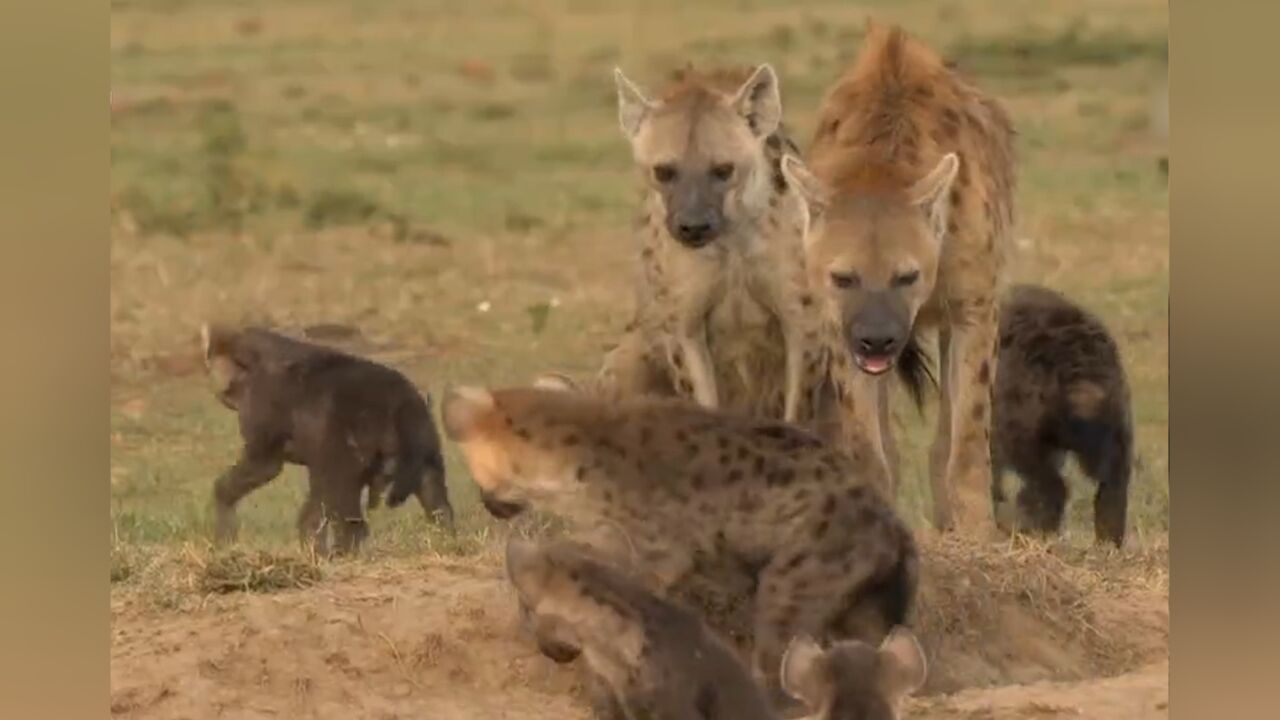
{"x": 1073, "y": 595}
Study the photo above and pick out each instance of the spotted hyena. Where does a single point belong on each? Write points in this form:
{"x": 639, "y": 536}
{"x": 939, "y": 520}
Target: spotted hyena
{"x": 1061, "y": 390}
{"x": 647, "y": 657}
{"x": 680, "y": 484}
{"x": 910, "y": 179}
{"x": 721, "y": 308}
{"x": 852, "y": 679}
{"x": 351, "y": 422}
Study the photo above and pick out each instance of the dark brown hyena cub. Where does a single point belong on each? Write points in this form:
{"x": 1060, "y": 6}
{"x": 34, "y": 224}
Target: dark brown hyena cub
{"x": 351, "y": 422}
{"x": 646, "y": 657}
{"x": 1060, "y": 388}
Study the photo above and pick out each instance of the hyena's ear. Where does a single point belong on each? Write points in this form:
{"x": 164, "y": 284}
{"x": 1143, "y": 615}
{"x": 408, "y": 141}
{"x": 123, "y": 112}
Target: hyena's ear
{"x": 815, "y": 193}
{"x": 556, "y": 381}
{"x": 902, "y": 669}
{"x": 527, "y": 568}
{"x": 805, "y": 675}
{"x": 760, "y": 101}
{"x": 463, "y": 409}
{"x": 633, "y": 105}
{"x": 932, "y": 193}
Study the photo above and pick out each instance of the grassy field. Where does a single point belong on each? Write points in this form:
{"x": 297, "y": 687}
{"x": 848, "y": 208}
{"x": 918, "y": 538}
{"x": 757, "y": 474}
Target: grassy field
{"x": 449, "y": 178}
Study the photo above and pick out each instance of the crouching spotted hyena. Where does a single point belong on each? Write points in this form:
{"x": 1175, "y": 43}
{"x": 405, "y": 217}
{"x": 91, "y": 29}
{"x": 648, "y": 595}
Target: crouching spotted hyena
{"x": 351, "y": 422}
{"x": 825, "y": 552}
{"x": 1060, "y": 389}
{"x": 646, "y": 657}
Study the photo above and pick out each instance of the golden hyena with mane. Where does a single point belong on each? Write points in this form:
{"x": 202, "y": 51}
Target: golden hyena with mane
{"x": 722, "y": 311}
{"x": 911, "y": 180}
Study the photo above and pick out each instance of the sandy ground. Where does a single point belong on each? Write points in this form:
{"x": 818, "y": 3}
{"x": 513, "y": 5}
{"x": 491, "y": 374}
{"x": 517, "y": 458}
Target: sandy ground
{"x": 439, "y": 640}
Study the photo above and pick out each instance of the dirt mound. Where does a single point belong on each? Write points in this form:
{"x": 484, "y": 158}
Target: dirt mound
{"x": 440, "y": 639}
{"x": 1025, "y": 611}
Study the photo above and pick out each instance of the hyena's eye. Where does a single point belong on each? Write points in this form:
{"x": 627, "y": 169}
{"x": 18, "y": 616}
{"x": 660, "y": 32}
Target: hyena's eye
{"x": 722, "y": 171}
{"x": 845, "y": 280}
{"x": 906, "y": 279}
{"x": 664, "y": 173}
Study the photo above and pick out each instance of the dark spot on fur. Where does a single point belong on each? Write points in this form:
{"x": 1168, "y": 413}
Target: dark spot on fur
{"x": 829, "y": 506}
{"x": 523, "y": 434}
{"x": 984, "y": 372}
{"x": 820, "y": 529}
{"x": 979, "y": 411}
{"x": 645, "y": 436}
{"x": 806, "y": 300}
{"x": 780, "y": 478}
{"x": 796, "y": 561}
{"x": 571, "y": 440}
{"x": 734, "y": 476}
{"x": 724, "y": 459}
{"x": 759, "y": 465}
{"x": 696, "y": 481}
{"x": 581, "y": 473}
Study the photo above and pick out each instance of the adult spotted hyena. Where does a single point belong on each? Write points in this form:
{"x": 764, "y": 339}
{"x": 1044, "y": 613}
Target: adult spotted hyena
{"x": 910, "y": 179}
{"x": 675, "y": 484}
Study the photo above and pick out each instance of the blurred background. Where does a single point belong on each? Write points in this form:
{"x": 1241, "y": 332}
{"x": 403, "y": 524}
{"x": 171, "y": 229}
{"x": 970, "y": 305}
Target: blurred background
{"x": 443, "y": 186}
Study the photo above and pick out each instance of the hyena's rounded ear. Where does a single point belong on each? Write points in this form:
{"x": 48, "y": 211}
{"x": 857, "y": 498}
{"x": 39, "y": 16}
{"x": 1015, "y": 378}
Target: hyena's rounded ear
{"x": 932, "y": 193}
{"x": 555, "y": 381}
{"x": 633, "y": 105}
{"x": 463, "y": 409}
{"x": 759, "y": 101}
{"x": 815, "y": 193}
{"x": 902, "y": 669}
{"x": 804, "y": 672}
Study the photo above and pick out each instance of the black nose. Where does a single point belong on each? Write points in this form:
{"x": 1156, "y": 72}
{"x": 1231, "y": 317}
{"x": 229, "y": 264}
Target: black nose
{"x": 695, "y": 233}
{"x": 876, "y": 345}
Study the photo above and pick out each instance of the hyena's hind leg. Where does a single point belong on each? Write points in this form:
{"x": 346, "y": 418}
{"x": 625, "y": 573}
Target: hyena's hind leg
{"x": 1042, "y": 500}
{"x": 1108, "y": 461}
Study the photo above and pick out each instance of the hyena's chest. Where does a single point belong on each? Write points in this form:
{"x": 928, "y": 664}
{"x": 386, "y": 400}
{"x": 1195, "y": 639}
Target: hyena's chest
{"x": 745, "y": 337}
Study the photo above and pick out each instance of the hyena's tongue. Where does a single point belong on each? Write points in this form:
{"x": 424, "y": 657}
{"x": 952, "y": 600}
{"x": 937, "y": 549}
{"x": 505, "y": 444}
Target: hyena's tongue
{"x": 875, "y": 365}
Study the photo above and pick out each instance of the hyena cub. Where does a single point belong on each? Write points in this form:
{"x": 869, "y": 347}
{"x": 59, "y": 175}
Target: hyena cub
{"x": 647, "y": 657}
{"x": 351, "y": 422}
{"x": 853, "y": 680}
{"x": 824, "y": 551}
{"x": 1061, "y": 388}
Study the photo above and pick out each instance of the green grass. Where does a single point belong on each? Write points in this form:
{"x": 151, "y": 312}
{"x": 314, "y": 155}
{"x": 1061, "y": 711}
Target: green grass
{"x": 376, "y": 165}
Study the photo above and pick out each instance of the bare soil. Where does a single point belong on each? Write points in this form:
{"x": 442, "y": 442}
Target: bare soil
{"x": 439, "y": 639}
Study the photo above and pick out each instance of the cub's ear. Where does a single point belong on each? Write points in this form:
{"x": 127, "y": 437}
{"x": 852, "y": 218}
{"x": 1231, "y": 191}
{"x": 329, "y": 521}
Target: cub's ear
{"x": 759, "y": 101}
{"x": 805, "y": 675}
{"x": 902, "y": 669}
{"x": 633, "y": 106}
{"x": 463, "y": 409}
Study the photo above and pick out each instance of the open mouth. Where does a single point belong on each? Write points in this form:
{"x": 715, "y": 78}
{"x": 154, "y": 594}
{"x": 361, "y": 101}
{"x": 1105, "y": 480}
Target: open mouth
{"x": 501, "y": 509}
{"x": 874, "y": 364}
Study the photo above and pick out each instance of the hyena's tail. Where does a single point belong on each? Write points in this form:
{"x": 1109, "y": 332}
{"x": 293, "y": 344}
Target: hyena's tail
{"x": 412, "y": 456}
